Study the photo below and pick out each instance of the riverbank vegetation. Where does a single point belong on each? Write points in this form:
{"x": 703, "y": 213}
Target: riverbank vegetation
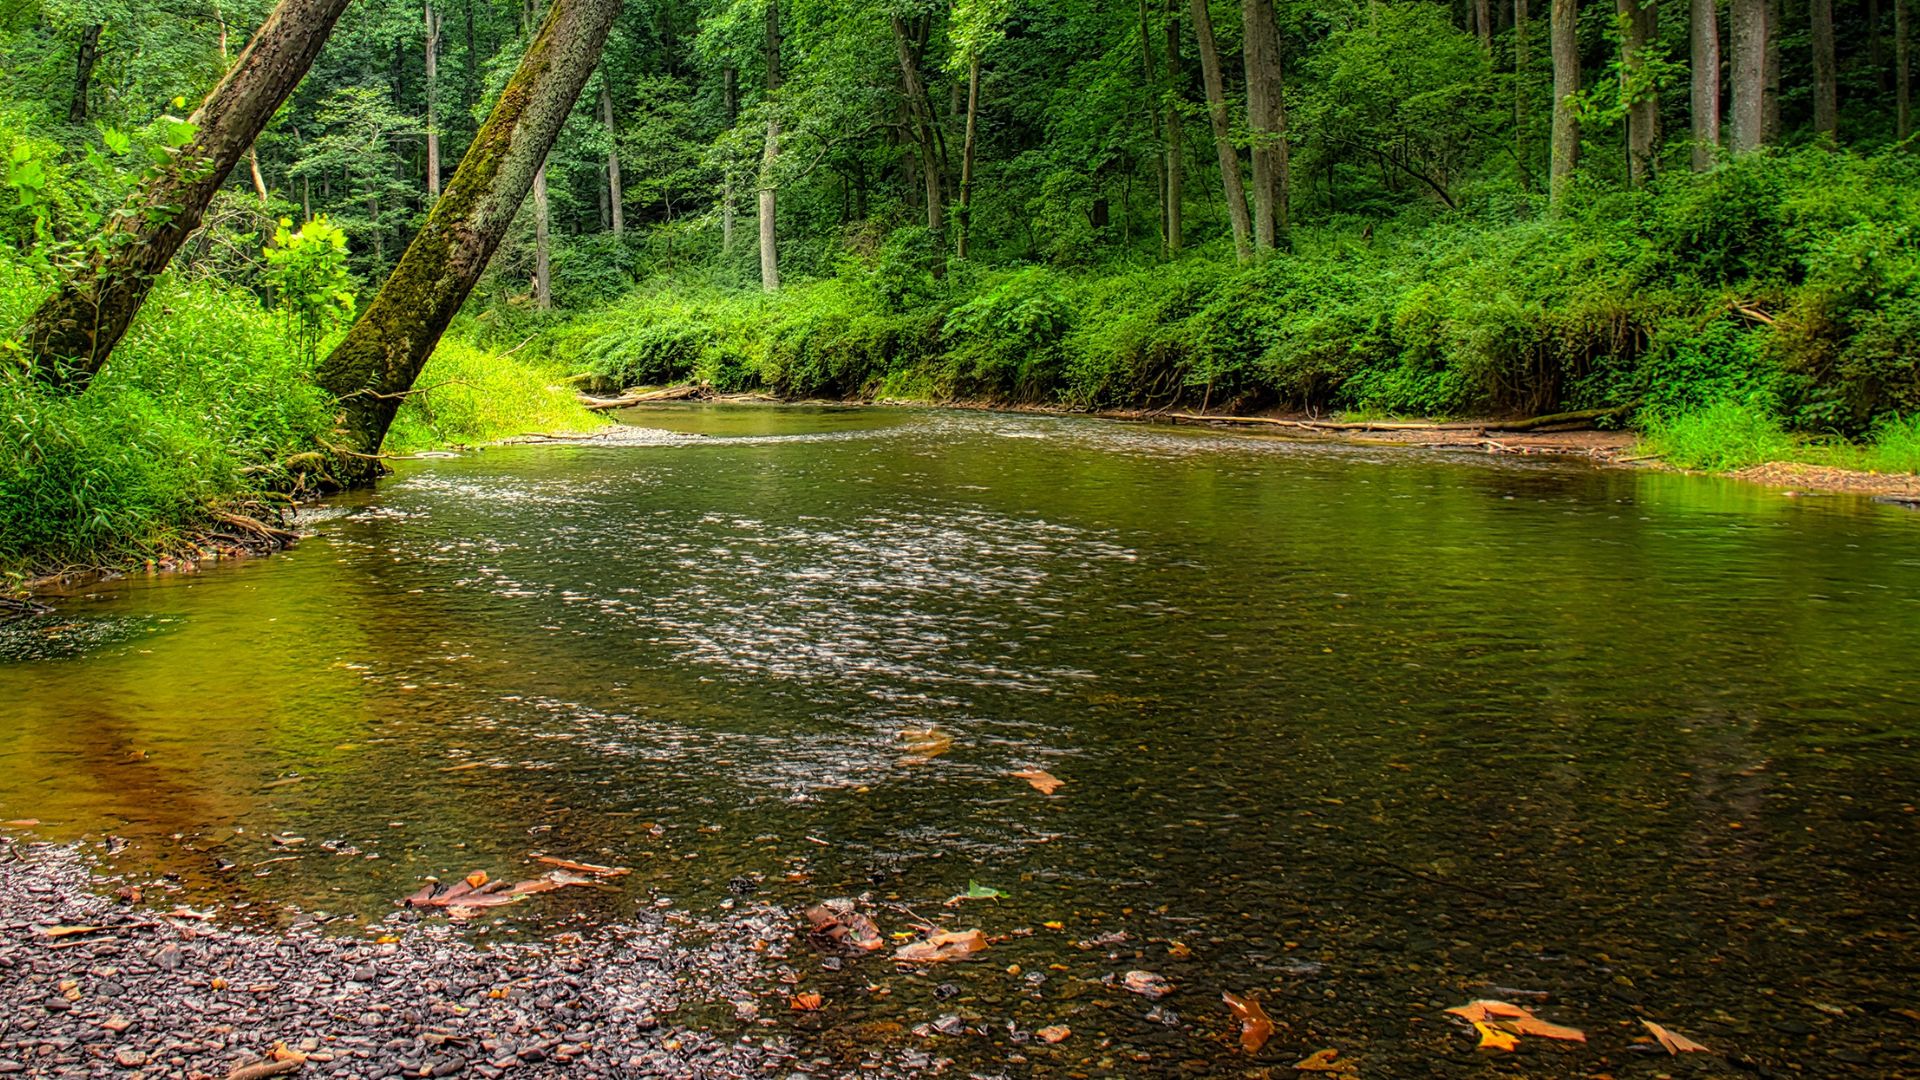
{"x": 1702, "y": 217}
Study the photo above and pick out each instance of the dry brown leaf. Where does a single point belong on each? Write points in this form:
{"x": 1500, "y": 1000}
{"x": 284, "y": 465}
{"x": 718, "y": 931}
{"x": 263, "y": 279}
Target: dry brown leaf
{"x": 1674, "y": 1042}
{"x": 1044, "y": 782}
{"x": 1255, "y": 1026}
{"x": 1054, "y": 1033}
{"x": 1147, "y": 984}
{"x": 943, "y": 948}
{"x": 66, "y": 931}
{"x": 808, "y": 1002}
{"x": 281, "y": 1052}
{"x": 1533, "y": 1025}
{"x": 584, "y": 868}
{"x": 1321, "y": 1061}
{"x": 924, "y": 745}
{"x": 1494, "y": 1038}
{"x": 835, "y": 922}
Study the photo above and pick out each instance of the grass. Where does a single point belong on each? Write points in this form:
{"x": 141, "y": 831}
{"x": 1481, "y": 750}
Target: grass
{"x": 467, "y": 396}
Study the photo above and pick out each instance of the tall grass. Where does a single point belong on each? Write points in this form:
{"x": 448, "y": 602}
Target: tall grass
{"x": 467, "y": 395}
{"x": 1723, "y": 435}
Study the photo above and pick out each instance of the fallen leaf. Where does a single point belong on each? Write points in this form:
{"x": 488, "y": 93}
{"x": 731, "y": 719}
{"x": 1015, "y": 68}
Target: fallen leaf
{"x": 1489, "y": 1010}
{"x": 835, "y": 922}
{"x": 584, "y": 868}
{"x": 1054, "y": 1033}
{"x": 281, "y": 1052}
{"x": 1533, "y": 1025}
{"x": 1495, "y": 1038}
{"x": 1674, "y": 1042}
{"x": 1255, "y": 1026}
{"x": 476, "y": 879}
{"x": 1320, "y": 1061}
{"x": 975, "y": 891}
{"x": 925, "y": 745}
{"x": 1044, "y": 782}
{"x": 66, "y": 931}
{"x": 943, "y": 948}
{"x": 1148, "y": 984}
{"x": 808, "y": 1002}
{"x": 1179, "y": 950}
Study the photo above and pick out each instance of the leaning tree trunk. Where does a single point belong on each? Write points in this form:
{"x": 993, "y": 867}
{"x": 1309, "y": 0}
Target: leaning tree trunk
{"x": 73, "y": 332}
{"x": 1643, "y": 108}
{"x": 83, "y": 72}
{"x": 1267, "y": 115}
{"x": 1176, "y": 140}
{"x": 1826, "y": 81}
{"x": 1747, "y": 44}
{"x": 614, "y": 196}
{"x": 1705, "y": 60}
{"x": 1230, "y": 180}
{"x": 373, "y": 369}
{"x": 920, "y": 108}
{"x": 1566, "y": 87}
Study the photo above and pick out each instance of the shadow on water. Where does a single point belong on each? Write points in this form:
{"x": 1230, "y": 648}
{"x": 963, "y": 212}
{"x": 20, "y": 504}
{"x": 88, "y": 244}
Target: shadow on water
{"x": 1356, "y": 732}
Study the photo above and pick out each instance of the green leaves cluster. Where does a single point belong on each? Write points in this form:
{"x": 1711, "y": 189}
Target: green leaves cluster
{"x": 312, "y": 287}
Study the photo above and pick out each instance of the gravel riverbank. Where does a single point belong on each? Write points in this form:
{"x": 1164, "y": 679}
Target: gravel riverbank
{"x": 150, "y": 995}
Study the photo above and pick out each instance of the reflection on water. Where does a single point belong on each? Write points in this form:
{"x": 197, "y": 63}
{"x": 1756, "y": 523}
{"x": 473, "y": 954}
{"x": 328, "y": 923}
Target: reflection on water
{"x": 1361, "y": 731}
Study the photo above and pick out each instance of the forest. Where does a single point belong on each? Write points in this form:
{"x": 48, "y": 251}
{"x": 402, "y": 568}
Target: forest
{"x": 391, "y": 226}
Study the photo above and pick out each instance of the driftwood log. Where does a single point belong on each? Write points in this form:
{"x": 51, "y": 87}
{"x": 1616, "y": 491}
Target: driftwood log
{"x": 1572, "y": 420}
{"x": 671, "y": 393}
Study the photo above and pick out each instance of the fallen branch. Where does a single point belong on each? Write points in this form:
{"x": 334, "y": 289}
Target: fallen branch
{"x": 256, "y": 527}
{"x": 1552, "y": 419}
{"x": 671, "y": 393}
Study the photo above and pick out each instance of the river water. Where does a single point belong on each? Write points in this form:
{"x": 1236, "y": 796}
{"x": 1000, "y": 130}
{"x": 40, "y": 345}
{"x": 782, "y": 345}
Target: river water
{"x": 1358, "y": 732}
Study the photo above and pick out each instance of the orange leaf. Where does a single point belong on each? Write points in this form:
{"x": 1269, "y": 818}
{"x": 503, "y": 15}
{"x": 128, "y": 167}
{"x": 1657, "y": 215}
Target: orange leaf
{"x": 1255, "y": 1026}
{"x": 1674, "y": 1042}
{"x": 1494, "y": 1037}
{"x": 1055, "y": 1033}
{"x": 476, "y": 879}
{"x": 924, "y": 745}
{"x": 808, "y": 1002}
{"x": 1533, "y": 1025}
{"x": 1489, "y": 1010}
{"x": 1320, "y": 1061}
{"x": 1043, "y": 781}
{"x": 943, "y": 947}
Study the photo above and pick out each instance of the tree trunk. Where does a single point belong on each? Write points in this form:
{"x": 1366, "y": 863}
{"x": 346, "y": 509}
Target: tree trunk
{"x": 1522, "y": 87}
{"x": 1483, "y": 23}
{"x": 1152, "y": 83}
{"x": 920, "y": 108}
{"x": 83, "y": 62}
{"x": 73, "y": 332}
{"x": 769, "y": 249}
{"x": 542, "y": 254}
{"x": 1826, "y": 82}
{"x": 1747, "y": 49}
{"x": 1176, "y": 140}
{"x": 614, "y": 197}
{"x": 433, "y": 100}
{"x": 730, "y": 100}
{"x": 375, "y": 365}
{"x": 1566, "y": 87}
{"x": 1267, "y": 116}
{"x": 1230, "y": 181}
{"x": 1643, "y": 109}
{"x": 1705, "y": 31}
{"x": 1903, "y": 66}
{"x": 1770, "y": 120}
{"x": 966, "y": 157}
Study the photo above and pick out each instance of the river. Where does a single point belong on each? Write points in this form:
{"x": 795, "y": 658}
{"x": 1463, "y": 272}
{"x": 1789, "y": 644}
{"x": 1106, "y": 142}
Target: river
{"x": 1356, "y": 731}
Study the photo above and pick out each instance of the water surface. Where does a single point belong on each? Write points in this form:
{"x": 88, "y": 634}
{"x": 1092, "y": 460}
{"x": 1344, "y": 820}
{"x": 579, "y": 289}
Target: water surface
{"x": 1356, "y": 731}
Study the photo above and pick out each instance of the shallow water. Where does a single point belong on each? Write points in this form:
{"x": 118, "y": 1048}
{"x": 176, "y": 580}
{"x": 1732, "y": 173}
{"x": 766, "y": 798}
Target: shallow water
{"x": 1362, "y": 730}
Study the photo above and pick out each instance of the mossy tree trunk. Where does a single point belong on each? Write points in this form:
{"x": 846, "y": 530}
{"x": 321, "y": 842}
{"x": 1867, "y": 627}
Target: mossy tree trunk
{"x": 1230, "y": 181}
{"x": 1563, "y": 18}
{"x": 74, "y": 331}
{"x": 375, "y": 365}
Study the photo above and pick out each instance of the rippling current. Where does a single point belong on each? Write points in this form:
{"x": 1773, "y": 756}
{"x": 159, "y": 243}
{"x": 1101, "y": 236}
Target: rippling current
{"x": 1358, "y": 731}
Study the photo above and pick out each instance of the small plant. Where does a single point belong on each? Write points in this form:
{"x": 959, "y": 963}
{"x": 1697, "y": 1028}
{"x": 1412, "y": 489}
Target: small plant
{"x": 1724, "y": 435}
{"x": 308, "y": 272}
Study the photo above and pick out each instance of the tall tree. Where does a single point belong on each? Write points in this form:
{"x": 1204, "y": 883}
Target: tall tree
{"x": 770, "y": 157}
{"x": 1176, "y": 153}
{"x": 1563, "y": 29}
{"x": 1826, "y": 79}
{"x": 1704, "y": 29}
{"x": 433, "y": 100}
{"x": 542, "y": 243}
{"x": 1770, "y": 99}
{"x": 72, "y": 333}
{"x": 1642, "y": 21}
{"x": 1747, "y": 49}
{"x": 83, "y": 62}
{"x": 976, "y": 27}
{"x": 1483, "y": 25}
{"x": 1230, "y": 179}
{"x": 1522, "y": 94}
{"x": 730, "y": 106}
{"x": 926, "y": 132}
{"x": 1267, "y": 116}
{"x": 615, "y": 199}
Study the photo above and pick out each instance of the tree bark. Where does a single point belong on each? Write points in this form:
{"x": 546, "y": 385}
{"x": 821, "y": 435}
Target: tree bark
{"x": 73, "y": 332}
{"x": 769, "y": 248}
{"x": 1522, "y": 87}
{"x": 1705, "y": 60}
{"x": 926, "y": 137}
{"x": 1826, "y": 80}
{"x": 1176, "y": 140}
{"x": 614, "y": 197}
{"x": 1483, "y": 23}
{"x": 966, "y": 157}
{"x": 542, "y": 253}
{"x": 1643, "y": 111}
{"x": 433, "y": 100}
{"x": 1267, "y": 115}
{"x": 1230, "y": 181}
{"x": 83, "y": 62}
{"x": 1566, "y": 87}
{"x": 1770, "y": 121}
{"x": 730, "y": 101}
{"x": 1747, "y": 49}
{"x": 375, "y": 365}
{"x": 1903, "y": 66}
